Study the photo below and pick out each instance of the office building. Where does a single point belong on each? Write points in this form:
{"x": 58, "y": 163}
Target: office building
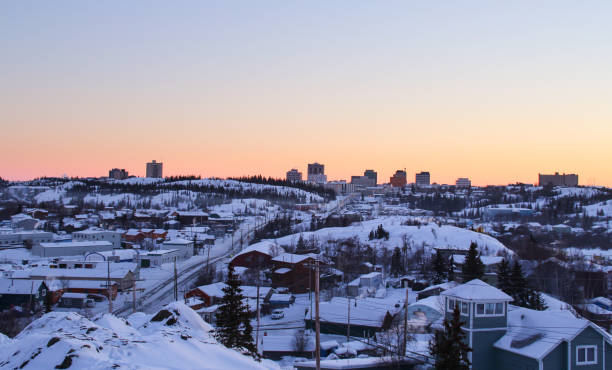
{"x": 558, "y": 180}
{"x": 294, "y": 175}
{"x": 363, "y": 181}
{"x": 463, "y": 182}
{"x": 155, "y": 169}
{"x": 316, "y": 173}
{"x": 422, "y": 179}
{"x": 371, "y": 174}
{"x": 118, "y": 174}
{"x": 398, "y": 180}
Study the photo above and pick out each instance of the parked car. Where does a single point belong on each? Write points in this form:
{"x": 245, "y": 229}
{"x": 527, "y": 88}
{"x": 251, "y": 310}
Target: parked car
{"x": 277, "y": 314}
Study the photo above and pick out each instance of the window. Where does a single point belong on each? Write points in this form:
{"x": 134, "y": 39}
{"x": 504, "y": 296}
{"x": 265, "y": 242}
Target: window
{"x": 451, "y": 305}
{"x": 465, "y": 308}
{"x": 489, "y": 309}
{"x": 586, "y": 355}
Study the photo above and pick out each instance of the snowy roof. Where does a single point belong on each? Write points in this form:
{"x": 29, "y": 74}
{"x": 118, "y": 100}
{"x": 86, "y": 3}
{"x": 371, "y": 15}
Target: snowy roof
{"x": 251, "y": 291}
{"x": 213, "y": 290}
{"x": 434, "y": 302}
{"x": 486, "y": 260}
{"x": 77, "y": 244}
{"x": 265, "y": 247}
{"x": 285, "y": 343}
{"x": 17, "y": 286}
{"x": 534, "y": 333}
{"x": 277, "y": 297}
{"x": 282, "y": 270}
{"x": 179, "y": 241}
{"x": 477, "y": 290}
{"x": 293, "y": 258}
{"x": 75, "y": 295}
{"x": 443, "y": 286}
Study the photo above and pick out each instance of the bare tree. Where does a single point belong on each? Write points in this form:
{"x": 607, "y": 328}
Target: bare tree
{"x": 300, "y": 340}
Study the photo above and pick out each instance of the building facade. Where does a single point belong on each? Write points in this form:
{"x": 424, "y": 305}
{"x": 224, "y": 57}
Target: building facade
{"x": 118, "y": 174}
{"x": 363, "y": 181}
{"x": 558, "y": 180}
{"x": 371, "y": 174}
{"x": 422, "y": 179}
{"x": 155, "y": 169}
{"x": 316, "y": 173}
{"x": 114, "y": 237}
{"x": 398, "y": 180}
{"x": 463, "y": 182}
{"x": 294, "y": 175}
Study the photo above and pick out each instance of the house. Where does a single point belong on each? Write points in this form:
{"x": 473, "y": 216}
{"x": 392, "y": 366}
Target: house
{"x": 191, "y": 217}
{"x": 158, "y": 257}
{"x": 70, "y": 248}
{"x": 257, "y": 256}
{"x": 211, "y": 294}
{"x": 114, "y": 237}
{"x": 184, "y": 247}
{"x": 368, "y": 315}
{"x": 278, "y": 300}
{"x": 23, "y": 293}
{"x": 598, "y": 310}
{"x": 73, "y": 300}
{"x": 368, "y": 283}
{"x": 133, "y": 236}
{"x": 508, "y": 337}
{"x": 435, "y": 290}
{"x": 293, "y": 271}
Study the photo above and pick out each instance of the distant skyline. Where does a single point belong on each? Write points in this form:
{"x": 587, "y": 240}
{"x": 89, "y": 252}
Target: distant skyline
{"x": 493, "y": 91}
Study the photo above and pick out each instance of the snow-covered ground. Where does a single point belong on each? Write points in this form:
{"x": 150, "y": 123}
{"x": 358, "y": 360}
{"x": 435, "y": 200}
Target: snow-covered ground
{"x": 428, "y": 236}
{"x": 176, "y": 339}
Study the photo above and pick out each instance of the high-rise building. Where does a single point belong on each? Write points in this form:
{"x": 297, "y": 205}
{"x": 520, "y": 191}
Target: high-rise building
{"x": 294, "y": 175}
{"x": 155, "y": 169}
{"x": 422, "y": 179}
{"x": 316, "y": 173}
{"x": 463, "y": 182}
{"x": 398, "y": 180}
{"x": 118, "y": 174}
{"x": 558, "y": 180}
{"x": 371, "y": 174}
{"x": 362, "y": 181}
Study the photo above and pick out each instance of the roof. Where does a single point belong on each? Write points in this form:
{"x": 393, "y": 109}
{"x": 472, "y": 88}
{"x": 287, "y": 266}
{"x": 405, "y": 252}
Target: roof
{"x": 477, "y": 290}
{"x": 265, "y": 247}
{"x": 293, "y": 258}
{"x": 178, "y": 241}
{"x": 434, "y": 302}
{"x": 282, "y": 270}
{"x": 17, "y": 286}
{"x": 534, "y": 333}
{"x": 213, "y": 290}
{"x": 76, "y": 244}
{"x": 443, "y": 286}
{"x": 75, "y": 295}
{"x": 285, "y": 343}
{"x": 486, "y": 260}
{"x": 277, "y": 297}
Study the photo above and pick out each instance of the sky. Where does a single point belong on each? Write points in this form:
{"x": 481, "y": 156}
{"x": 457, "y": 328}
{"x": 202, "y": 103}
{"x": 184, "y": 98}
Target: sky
{"x": 496, "y": 91}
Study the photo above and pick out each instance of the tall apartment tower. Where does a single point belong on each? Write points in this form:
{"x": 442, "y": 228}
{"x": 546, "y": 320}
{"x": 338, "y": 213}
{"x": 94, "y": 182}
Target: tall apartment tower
{"x": 316, "y": 173}
{"x": 294, "y": 175}
{"x": 155, "y": 169}
{"x": 371, "y": 174}
{"x": 398, "y": 180}
{"x": 422, "y": 179}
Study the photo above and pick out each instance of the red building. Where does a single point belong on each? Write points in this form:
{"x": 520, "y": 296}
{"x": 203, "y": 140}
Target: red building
{"x": 293, "y": 271}
{"x": 398, "y": 180}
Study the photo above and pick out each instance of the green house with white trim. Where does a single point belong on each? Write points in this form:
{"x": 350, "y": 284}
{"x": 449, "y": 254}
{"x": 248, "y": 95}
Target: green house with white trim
{"x": 506, "y": 337}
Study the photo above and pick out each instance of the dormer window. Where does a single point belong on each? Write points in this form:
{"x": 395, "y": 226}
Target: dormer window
{"x": 489, "y": 309}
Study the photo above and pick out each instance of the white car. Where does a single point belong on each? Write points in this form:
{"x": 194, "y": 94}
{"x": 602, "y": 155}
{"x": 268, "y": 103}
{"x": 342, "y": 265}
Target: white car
{"x": 277, "y": 314}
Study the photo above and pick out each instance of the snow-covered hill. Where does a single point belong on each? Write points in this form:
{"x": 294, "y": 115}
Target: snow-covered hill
{"x": 175, "y": 338}
{"x": 428, "y": 236}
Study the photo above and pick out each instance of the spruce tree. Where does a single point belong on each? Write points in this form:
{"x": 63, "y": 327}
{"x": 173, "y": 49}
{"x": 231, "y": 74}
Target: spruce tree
{"x": 449, "y": 347}
{"x": 439, "y": 268}
{"x": 396, "y": 262}
{"x": 518, "y": 286}
{"x": 472, "y": 268}
{"x": 451, "y": 269}
{"x": 503, "y": 276}
{"x": 234, "y": 328}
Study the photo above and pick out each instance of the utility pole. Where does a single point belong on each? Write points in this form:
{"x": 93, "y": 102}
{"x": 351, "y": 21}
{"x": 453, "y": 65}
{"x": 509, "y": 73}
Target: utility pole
{"x": 310, "y": 287}
{"x": 348, "y": 323}
{"x": 405, "y": 324}
{"x": 317, "y": 322}
{"x": 108, "y": 286}
{"x": 258, "y": 319}
{"x": 175, "y": 282}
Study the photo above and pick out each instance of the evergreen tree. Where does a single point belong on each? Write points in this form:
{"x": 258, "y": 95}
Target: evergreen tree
{"x": 503, "y": 276}
{"x": 396, "y": 262}
{"x": 536, "y": 301}
{"x": 301, "y": 245}
{"x": 518, "y": 286}
{"x": 451, "y": 269}
{"x": 472, "y": 268}
{"x": 234, "y": 328}
{"x": 449, "y": 347}
{"x": 439, "y": 268}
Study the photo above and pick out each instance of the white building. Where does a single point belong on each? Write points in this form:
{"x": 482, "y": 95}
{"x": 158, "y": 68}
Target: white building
{"x": 463, "y": 182}
{"x": 113, "y": 237}
{"x": 70, "y": 248}
{"x": 17, "y": 238}
{"x": 185, "y": 247}
{"x": 159, "y": 257}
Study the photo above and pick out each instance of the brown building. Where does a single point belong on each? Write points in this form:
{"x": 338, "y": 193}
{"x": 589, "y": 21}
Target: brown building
{"x": 293, "y": 271}
{"x": 398, "y": 180}
{"x": 558, "y": 180}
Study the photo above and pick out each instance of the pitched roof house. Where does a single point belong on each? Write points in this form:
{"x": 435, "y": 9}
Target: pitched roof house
{"x": 508, "y": 337}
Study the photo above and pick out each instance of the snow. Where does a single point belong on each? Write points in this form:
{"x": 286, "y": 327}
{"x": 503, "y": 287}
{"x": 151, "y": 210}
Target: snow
{"x": 428, "y": 236}
{"x": 593, "y": 210}
{"x": 180, "y": 341}
{"x": 477, "y": 290}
